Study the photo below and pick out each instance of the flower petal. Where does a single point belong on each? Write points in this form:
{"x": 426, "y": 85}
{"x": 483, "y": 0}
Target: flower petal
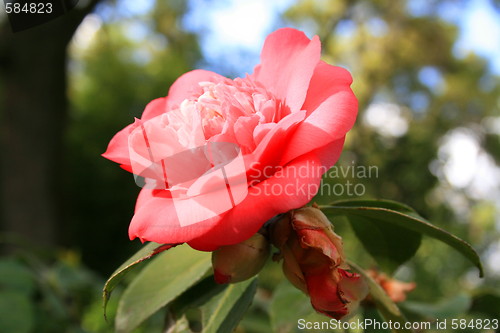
{"x": 326, "y": 296}
{"x": 288, "y": 60}
{"x": 268, "y": 198}
{"x": 354, "y": 288}
{"x": 333, "y": 118}
{"x": 156, "y": 220}
{"x": 155, "y": 108}
{"x": 117, "y": 150}
{"x": 330, "y": 153}
{"x": 269, "y": 150}
{"x": 187, "y": 85}
{"x": 327, "y": 80}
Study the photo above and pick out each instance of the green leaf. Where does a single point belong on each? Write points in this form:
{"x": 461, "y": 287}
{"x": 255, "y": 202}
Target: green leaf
{"x": 143, "y": 254}
{"x": 388, "y": 204}
{"x": 487, "y": 302}
{"x": 166, "y": 277}
{"x": 197, "y": 295}
{"x": 257, "y": 319}
{"x": 389, "y": 244}
{"x": 16, "y": 276}
{"x": 386, "y": 307}
{"x": 181, "y": 325}
{"x": 371, "y": 313}
{"x": 402, "y": 216}
{"x": 17, "y": 313}
{"x": 288, "y": 306}
{"x": 223, "y": 312}
{"x": 449, "y": 308}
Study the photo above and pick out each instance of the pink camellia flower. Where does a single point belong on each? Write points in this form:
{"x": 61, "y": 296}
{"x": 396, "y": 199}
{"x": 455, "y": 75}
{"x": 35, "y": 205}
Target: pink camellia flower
{"x": 217, "y": 157}
{"x": 313, "y": 261}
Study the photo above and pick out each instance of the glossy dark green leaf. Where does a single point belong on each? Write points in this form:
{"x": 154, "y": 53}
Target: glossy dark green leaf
{"x": 167, "y": 276}
{"x": 147, "y": 252}
{"x": 197, "y": 295}
{"x": 402, "y": 216}
{"x": 388, "y": 204}
{"x": 487, "y": 303}
{"x": 371, "y": 313}
{"x": 390, "y": 245}
{"x": 223, "y": 312}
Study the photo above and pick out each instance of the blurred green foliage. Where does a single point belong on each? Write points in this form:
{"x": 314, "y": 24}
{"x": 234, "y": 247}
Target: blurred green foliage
{"x": 111, "y": 83}
{"x": 56, "y": 294}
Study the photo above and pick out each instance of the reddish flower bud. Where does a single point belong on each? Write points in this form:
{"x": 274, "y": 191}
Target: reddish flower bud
{"x": 239, "y": 262}
{"x": 395, "y": 289}
{"x": 313, "y": 261}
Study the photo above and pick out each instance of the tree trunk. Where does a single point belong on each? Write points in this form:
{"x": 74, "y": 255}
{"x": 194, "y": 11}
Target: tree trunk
{"x": 34, "y": 108}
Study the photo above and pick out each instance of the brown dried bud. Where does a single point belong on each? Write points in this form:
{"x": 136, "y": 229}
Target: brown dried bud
{"x": 313, "y": 261}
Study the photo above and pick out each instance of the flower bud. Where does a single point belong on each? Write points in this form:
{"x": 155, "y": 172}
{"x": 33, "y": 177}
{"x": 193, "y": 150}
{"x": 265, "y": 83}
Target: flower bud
{"x": 239, "y": 262}
{"x": 313, "y": 261}
{"x": 395, "y": 289}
